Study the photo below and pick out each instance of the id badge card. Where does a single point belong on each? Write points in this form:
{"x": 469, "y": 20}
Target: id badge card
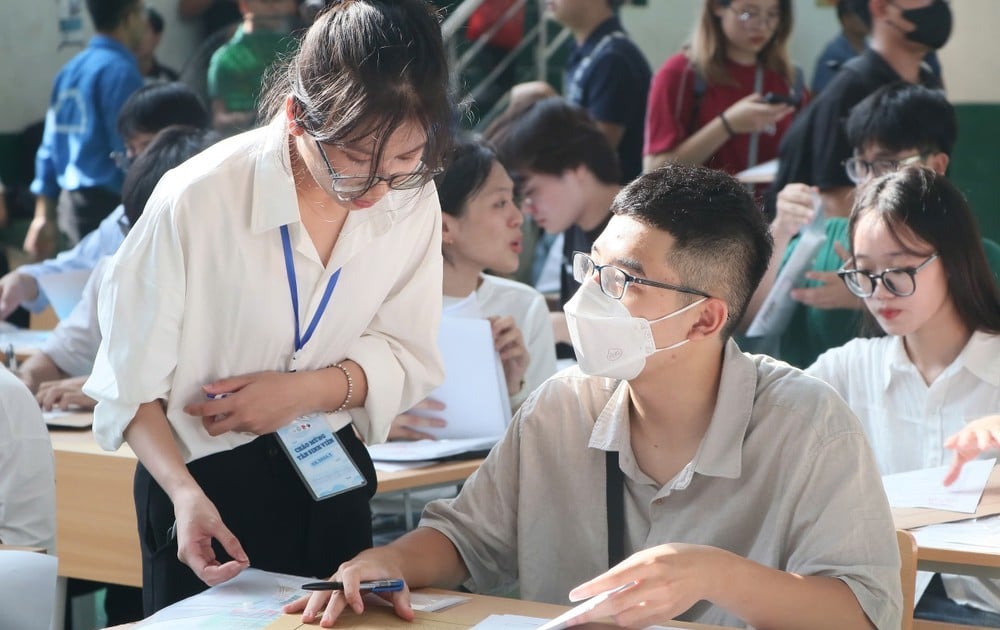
{"x": 319, "y": 457}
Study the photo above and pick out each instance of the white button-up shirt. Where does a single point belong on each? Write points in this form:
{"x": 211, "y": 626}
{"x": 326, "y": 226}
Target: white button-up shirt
{"x": 73, "y": 344}
{"x": 907, "y": 420}
{"x": 782, "y": 476}
{"x": 199, "y": 292}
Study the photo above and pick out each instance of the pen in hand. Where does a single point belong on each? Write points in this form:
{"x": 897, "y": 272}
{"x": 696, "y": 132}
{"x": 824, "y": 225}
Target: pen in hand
{"x": 374, "y": 586}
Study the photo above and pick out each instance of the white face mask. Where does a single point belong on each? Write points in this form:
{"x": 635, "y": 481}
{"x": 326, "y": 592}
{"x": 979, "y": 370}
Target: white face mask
{"x": 607, "y": 339}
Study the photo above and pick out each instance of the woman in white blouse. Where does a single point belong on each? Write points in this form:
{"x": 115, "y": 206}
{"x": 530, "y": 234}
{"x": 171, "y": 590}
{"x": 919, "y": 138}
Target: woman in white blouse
{"x": 930, "y": 383}
{"x": 481, "y": 229}
{"x": 275, "y": 296}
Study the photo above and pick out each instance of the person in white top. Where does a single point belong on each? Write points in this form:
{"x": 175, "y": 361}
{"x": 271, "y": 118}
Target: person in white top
{"x": 57, "y": 373}
{"x": 275, "y": 297}
{"x": 737, "y": 490}
{"x": 481, "y": 229}
{"x": 27, "y": 469}
{"x": 931, "y": 382}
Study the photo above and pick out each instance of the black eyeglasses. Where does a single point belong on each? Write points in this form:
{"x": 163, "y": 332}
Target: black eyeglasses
{"x": 901, "y": 282}
{"x": 614, "y": 281}
{"x": 122, "y": 159}
{"x": 860, "y": 171}
{"x": 349, "y": 187}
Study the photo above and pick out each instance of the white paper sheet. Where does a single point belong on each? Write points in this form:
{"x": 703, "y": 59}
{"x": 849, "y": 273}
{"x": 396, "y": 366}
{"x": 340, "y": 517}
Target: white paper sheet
{"x": 981, "y": 533}
{"x": 72, "y": 419}
{"x": 777, "y": 309}
{"x": 252, "y": 600}
{"x": 422, "y": 450}
{"x": 400, "y": 466}
{"x": 27, "y": 589}
{"x": 22, "y": 339}
{"x": 519, "y": 622}
{"x": 474, "y": 391}
{"x": 924, "y": 488}
{"x": 763, "y": 173}
{"x": 64, "y": 290}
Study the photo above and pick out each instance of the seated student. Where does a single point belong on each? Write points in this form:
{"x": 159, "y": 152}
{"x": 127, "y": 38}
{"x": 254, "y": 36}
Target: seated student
{"x": 918, "y": 263}
{"x": 27, "y": 472}
{"x": 236, "y": 71}
{"x": 145, "y": 113}
{"x": 899, "y": 124}
{"x": 742, "y": 491}
{"x": 481, "y": 229}
{"x": 567, "y": 175}
{"x": 58, "y": 372}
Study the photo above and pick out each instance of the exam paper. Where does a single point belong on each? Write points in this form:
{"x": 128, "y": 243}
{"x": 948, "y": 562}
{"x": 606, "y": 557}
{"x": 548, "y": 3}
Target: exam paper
{"x": 982, "y": 533}
{"x": 518, "y": 622}
{"x": 924, "y": 488}
{"x": 64, "y": 289}
{"x": 422, "y": 450}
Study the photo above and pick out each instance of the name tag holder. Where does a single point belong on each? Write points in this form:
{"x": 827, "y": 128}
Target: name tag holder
{"x": 320, "y": 458}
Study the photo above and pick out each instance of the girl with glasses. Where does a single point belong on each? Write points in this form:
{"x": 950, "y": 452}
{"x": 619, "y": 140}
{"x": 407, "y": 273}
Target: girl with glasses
{"x": 706, "y": 103}
{"x": 274, "y": 304}
{"x": 918, "y": 262}
{"x": 481, "y": 230}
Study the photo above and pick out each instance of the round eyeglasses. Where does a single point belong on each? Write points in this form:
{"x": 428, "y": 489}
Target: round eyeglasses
{"x": 122, "y": 159}
{"x": 860, "y": 171}
{"x": 350, "y": 187}
{"x": 901, "y": 282}
{"x": 755, "y": 18}
{"x": 614, "y": 281}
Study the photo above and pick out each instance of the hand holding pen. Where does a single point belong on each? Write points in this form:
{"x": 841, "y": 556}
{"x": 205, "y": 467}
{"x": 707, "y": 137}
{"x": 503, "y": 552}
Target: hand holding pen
{"x": 367, "y": 573}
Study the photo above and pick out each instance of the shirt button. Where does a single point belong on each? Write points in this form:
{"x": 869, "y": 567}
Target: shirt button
{"x": 659, "y": 501}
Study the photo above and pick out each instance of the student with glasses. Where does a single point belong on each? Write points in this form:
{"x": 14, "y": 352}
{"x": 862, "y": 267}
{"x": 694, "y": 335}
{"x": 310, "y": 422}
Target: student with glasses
{"x": 931, "y": 372}
{"x": 277, "y": 301}
{"x": 706, "y": 103}
{"x": 897, "y": 126}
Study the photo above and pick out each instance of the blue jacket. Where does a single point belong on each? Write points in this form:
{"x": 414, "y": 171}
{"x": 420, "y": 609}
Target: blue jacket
{"x": 81, "y": 123}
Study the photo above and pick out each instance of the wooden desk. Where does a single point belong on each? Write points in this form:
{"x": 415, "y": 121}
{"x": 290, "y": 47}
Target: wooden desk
{"x": 96, "y": 532}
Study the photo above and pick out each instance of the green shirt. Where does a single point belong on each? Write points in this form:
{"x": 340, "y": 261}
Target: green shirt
{"x": 812, "y": 331}
{"x": 237, "y": 68}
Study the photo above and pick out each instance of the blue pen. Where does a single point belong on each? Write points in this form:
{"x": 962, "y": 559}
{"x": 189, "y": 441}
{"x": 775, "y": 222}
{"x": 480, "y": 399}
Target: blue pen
{"x": 374, "y": 586}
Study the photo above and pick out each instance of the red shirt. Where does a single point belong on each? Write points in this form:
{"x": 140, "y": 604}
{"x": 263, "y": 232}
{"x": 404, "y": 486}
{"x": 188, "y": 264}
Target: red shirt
{"x": 671, "y": 107}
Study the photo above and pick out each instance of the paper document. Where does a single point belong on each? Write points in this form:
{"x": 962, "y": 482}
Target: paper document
{"x": 64, "y": 290}
{"x": 423, "y": 450}
{"x": 983, "y": 533}
{"x": 251, "y": 600}
{"x": 519, "y": 622}
{"x": 68, "y": 419}
{"x": 22, "y": 339}
{"x": 778, "y": 306}
{"x": 423, "y": 602}
{"x": 763, "y": 173}
{"x": 401, "y": 466}
{"x": 474, "y": 391}
{"x": 924, "y": 488}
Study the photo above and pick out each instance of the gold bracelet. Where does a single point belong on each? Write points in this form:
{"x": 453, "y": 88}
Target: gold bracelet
{"x": 350, "y": 388}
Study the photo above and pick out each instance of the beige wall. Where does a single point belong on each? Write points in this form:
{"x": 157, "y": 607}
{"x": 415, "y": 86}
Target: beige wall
{"x": 971, "y": 60}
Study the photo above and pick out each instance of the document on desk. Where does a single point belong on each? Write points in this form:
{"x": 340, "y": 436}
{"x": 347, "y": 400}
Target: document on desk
{"x": 518, "y": 622}
{"x": 924, "y": 488}
{"x": 422, "y": 450}
{"x": 975, "y": 532}
{"x": 250, "y": 601}
{"x": 64, "y": 289}
{"x": 474, "y": 391}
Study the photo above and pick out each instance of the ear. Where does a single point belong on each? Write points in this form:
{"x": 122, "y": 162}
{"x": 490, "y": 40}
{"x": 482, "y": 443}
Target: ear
{"x": 713, "y": 314}
{"x": 718, "y": 6}
{"x": 938, "y": 162}
{"x": 449, "y": 229}
{"x": 291, "y": 113}
{"x": 878, "y": 8}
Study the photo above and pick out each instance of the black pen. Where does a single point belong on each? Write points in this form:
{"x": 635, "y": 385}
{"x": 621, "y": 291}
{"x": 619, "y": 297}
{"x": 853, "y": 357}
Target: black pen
{"x": 374, "y": 586}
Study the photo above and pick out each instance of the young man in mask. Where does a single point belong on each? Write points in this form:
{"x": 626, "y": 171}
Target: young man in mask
{"x": 737, "y": 490}
{"x": 815, "y": 148}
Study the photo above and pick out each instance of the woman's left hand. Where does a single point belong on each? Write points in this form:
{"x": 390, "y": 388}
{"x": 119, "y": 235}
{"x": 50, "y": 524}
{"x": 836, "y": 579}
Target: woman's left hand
{"x": 509, "y": 342}
{"x": 260, "y": 403}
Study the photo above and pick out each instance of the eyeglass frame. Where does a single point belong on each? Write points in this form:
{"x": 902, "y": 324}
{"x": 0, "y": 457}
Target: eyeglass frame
{"x": 898, "y": 164}
{"x": 372, "y": 180}
{"x": 122, "y": 159}
{"x": 629, "y": 279}
{"x": 880, "y": 277}
{"x": 746, "y": 17}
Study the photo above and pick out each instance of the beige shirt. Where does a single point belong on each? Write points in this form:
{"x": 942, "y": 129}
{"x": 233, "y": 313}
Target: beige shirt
{"x": 783, "y": 477}
{"x": 199, "y": 292}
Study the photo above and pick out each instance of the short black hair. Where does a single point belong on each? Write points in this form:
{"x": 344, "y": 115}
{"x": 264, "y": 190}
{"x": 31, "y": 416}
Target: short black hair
{"x": 552, "y": 136}
{"x": 107, "y": 15}
{"x": 468, "y": 165}
{"x": 722, "y": 244}
{"x": 159, "y": 105}
{"x": 170, "y": 148}
{"x": 155, "y": 20}
{"x": 902, "y": 116}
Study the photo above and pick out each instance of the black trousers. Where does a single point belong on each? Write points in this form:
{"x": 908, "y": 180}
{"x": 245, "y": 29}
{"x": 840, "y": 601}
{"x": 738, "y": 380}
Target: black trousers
{"x": 79, "y": 212}
{"x": 262, "y": 500}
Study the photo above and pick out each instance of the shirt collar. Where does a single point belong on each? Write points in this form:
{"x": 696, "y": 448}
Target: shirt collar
{"x": 609, "y": 25}
{"x": 978, "y": 357}
{"x": 896, "y": 361}
{"x": 721, "y": 451}
{"x": 274, "y": 200}
{"x": 110, "y": 43}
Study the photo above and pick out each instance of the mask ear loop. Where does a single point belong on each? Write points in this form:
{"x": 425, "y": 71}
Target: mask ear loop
{"x": 674, "y": 314}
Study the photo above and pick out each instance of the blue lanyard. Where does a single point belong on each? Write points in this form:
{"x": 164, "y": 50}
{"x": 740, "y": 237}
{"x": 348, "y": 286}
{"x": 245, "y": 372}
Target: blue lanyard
{"x": 286, "y": 243}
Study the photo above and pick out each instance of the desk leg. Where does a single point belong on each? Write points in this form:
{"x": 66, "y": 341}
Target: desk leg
{"x": 408, "y": 510}
{"x": 59, "y": 611}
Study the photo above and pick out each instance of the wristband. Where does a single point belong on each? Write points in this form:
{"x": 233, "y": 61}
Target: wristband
{"x": 350, "y": 388}
{"x": 725, "y": 123}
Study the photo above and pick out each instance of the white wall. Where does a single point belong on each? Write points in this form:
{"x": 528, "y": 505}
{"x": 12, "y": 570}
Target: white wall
{"x": 30, "y": 55}
{"x": 971, "y": 60}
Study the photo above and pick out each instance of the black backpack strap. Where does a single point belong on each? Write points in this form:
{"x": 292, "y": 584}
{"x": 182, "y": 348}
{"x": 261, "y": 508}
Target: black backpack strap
{"x": 615, "y": 494}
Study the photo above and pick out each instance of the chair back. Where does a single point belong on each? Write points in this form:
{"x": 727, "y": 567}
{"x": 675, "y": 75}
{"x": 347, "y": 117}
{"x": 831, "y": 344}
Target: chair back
{"x": 907, "y": 573}
{"x": 27, "y": 589}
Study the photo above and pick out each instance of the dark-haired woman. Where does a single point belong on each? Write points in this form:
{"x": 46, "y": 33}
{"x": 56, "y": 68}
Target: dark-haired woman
{"x": 918, "y": 262}
{"x": 279, "y": 294}
{"x": 481, "y": 230}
